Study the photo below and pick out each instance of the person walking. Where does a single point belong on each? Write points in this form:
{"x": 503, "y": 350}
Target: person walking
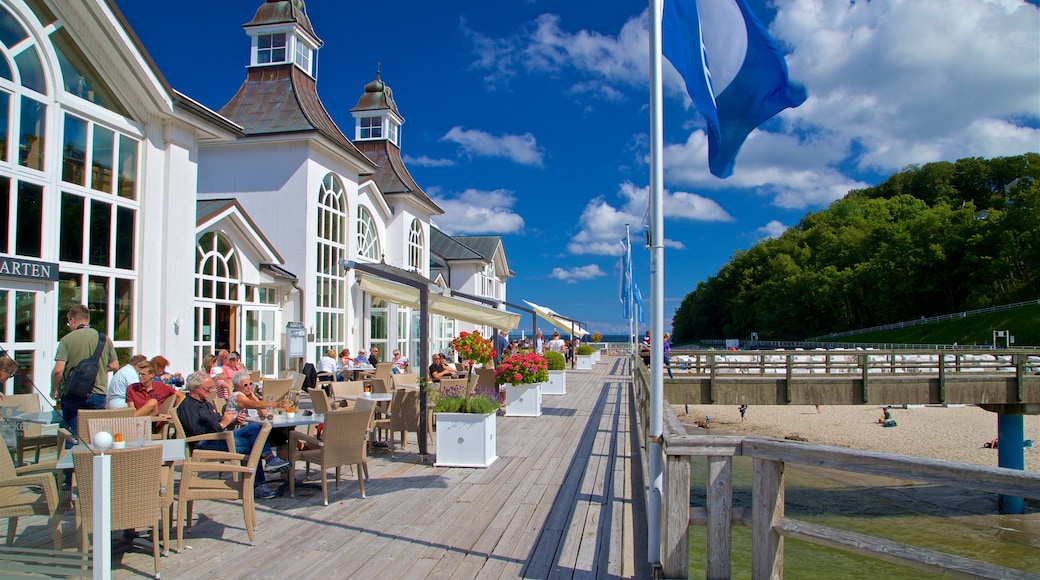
{"x": 743, "y": 413}
{"x": 74, "y": 348}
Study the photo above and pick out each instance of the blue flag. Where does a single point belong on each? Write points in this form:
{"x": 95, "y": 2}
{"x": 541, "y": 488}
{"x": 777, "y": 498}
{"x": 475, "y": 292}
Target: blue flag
{"x": 625, "y": 281}
{"x": 638, "y": 300}
{"x": 734, "y": 72}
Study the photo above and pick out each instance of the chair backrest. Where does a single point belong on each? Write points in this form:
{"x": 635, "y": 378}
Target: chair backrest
{"x": 344, "y": 436}
{"x": 320, "y": 400}
{"x": 409, "y": 380}
{"x": 485, "y": 378}
{"x": 383, "y": 370}
{"x": 377, "y": 385}
{"x": 137, "y": 485}
{"x": 254, "y": 376}
{"x": 253, "y": 460}
{"x": 133, "y": 429}
{"x": 464, "y": 383}
{"x": 343, "y": 388}
{"x": 84, "y": 416}
{"x": 277, "y": 389}
{"x": 404, "y": 410}
{"x": 26, "y": 403}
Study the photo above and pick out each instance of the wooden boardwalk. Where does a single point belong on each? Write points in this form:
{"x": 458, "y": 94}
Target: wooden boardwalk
{"x": 565, "y": 500}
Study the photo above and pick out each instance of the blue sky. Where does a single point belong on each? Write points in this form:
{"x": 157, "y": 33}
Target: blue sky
{"x": 530, "y": 119}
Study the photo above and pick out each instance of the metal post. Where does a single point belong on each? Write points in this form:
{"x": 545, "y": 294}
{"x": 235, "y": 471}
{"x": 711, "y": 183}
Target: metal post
{"x": 103, "y": 517}
{"x": 1010, "y": 455}
{"x": 656, "y": 451}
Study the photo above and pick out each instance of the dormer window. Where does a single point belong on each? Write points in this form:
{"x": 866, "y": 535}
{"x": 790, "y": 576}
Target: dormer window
{"x": 270, "y": 48}
{"x": 303, "y": 56}
{"x": 392, "y": 132}
{"x": 370, "y": 128}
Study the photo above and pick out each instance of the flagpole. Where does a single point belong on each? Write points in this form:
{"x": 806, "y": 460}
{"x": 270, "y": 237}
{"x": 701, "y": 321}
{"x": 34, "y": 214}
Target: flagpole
{"x": 656, "y": 450}
{"x": 628, "y": 280}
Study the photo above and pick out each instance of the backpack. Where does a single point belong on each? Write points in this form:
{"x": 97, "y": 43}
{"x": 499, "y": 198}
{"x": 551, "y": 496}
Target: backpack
{"x": 81, "y": 379}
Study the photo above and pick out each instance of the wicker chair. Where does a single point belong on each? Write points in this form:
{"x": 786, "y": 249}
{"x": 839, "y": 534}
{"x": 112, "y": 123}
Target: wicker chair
{"x": 140, "y": 488}
{"x": 130, "y": 428}
{"x": 404, "y": 416}
{"x": 238, "y": 487}
{"x": 227, "y": 436}
{"x": 30, "y": 491}
{"x": 84, "y": 416}
{"x": 343, "y": 388}
{"x": 32, "y": 436}
{"x": 383, "y": 371}
{"x": 277, "y": 389}
{"x": 406, "y": 380}
{"x": 343, "y": 443}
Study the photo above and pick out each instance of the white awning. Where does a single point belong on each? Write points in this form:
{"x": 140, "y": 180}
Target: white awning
{"x": 568, "y": 326}
{"x": 446, "y": 306}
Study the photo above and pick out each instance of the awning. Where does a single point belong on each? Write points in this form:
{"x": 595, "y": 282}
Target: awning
{"x": 446, "y": 306}
{"x": 568, "y": 326}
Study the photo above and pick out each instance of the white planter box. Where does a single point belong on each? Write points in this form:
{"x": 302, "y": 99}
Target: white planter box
{"x": 465, "y": 440}
{"x": 585, "y": 362}
{"x": 595, "y": 356}
{"x": 557, "y": 384}
{"x": 524, "y": 400}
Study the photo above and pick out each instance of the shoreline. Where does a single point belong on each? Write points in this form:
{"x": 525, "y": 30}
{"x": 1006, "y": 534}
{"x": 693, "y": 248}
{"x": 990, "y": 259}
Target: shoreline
{"x": 955, "y": 433}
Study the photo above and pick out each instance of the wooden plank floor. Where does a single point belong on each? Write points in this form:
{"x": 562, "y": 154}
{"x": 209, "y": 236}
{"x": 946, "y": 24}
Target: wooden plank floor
{"x": 564, "y": 500}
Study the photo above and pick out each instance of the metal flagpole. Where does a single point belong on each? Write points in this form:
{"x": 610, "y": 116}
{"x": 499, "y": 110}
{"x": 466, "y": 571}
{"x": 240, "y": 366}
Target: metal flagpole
{"x": 656, "y": 451}
{"x": 631, "y": 294}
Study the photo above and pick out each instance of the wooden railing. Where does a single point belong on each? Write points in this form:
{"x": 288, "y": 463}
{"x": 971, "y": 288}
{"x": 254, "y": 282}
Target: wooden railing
{"x": 767, "y": 519}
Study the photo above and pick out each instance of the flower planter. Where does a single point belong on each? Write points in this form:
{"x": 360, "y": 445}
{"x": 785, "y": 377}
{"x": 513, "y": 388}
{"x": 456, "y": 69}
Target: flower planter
{"x": 595, "y": 356}
{"x": 524, "y": 400}
{"x": 557, "y": 384}
{"x": 585, "y": 362}
{"x": 465, "y": 440}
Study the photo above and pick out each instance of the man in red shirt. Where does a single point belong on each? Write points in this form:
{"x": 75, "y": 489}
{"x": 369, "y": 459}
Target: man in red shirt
{"x": 146, "y": 395}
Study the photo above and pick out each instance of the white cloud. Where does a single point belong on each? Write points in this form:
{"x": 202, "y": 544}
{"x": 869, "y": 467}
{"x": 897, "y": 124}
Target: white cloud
{"x": 426, "y": 161}
{"x": 479, "y": 212}
{"x": 522, "y": 149}
{"x": 578, "y": 273}
{"x": 891, "y": 83}
{"x": 773, "y": 229}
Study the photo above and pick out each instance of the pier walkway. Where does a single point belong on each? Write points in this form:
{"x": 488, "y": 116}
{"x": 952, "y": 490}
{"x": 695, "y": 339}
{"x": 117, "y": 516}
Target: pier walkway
{"x": 564, "y": 500}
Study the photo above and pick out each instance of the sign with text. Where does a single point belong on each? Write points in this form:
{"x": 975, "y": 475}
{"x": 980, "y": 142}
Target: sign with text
{"x": 28, "y": 269}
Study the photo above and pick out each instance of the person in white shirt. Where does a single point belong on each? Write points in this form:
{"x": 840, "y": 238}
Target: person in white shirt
{"x": 400, "y": 363}
{"x": 539, "y": 343}
{"x": 327, "y": 363}
{"x": 122, "y": 379}
{"x": 556, "y": 344}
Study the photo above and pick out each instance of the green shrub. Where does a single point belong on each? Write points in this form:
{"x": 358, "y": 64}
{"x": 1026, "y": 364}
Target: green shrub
{"x": 585, "y": 349}
{"x": 556, "y": 361}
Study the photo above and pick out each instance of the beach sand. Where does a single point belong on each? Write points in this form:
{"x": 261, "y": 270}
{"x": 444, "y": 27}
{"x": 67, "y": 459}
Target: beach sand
{"x": 951, "y": 433}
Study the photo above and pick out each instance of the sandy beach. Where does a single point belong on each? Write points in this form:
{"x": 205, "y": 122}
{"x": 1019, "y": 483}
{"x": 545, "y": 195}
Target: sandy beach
{"x": 952, "y": 433}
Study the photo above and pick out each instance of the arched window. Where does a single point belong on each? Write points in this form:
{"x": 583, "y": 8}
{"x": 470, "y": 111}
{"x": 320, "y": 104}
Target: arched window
{"x": 415, "y": 246}
{"x": 367, "y": 235}
{"x": 330, "y": 291}
{"x": 216, "y": 268}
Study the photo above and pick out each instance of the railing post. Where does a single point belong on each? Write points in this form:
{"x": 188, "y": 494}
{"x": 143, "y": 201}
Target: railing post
{"x": 1020, "y": 371}
{"x": 942, "y": 378}
{"x": 675, "y": 542}
{"x": 790, "y": 375}
{"x": 720, "y": 517}
{"x": 713, "y": 366}
{"x": 864, "y": 363}
{"x": 767, "y": 545}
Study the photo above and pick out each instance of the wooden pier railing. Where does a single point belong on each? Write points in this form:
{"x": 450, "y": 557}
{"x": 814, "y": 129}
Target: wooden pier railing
{"x": 767, "y": 519}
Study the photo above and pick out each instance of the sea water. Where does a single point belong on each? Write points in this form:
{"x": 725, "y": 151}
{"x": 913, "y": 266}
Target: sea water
{"x": 960, "y": 522}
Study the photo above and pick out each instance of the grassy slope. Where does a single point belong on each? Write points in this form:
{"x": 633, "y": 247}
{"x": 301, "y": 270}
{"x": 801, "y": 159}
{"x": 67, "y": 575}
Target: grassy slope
{"x": 1024, "y": 324}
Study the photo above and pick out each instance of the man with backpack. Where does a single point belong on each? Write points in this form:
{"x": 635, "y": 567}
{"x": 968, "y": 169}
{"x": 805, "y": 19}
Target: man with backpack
{"x": 82, "y": 343}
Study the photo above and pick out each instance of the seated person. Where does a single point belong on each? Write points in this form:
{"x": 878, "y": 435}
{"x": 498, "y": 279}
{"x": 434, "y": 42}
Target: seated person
{"x": 326, "y": 365}
{"x": 245, "y": 400}
{"x": 123, "y": 378}
{"x": 400, "y": 363}
{"x": 199, "y": 416}
{"x": 438, "y": 370}
{"x": 173, "y": 379}
{"x": 146, "y": 394}
{"x": 345, "y": 362}
{"x": 362, "y": 357}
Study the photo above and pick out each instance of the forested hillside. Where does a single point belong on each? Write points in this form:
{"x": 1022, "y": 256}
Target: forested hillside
{"x": 939, "y": 238}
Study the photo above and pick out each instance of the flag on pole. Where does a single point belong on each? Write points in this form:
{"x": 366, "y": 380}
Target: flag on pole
{"x": 734, "y": 72}
{"x": 625, "y": 281}
{"x": 637, "y": 300}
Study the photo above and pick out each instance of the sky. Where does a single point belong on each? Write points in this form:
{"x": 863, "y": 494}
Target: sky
{"x": 529, "y": 119}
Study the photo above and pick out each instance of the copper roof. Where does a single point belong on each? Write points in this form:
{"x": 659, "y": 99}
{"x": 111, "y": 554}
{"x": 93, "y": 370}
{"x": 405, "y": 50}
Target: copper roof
{"x": 283, "y": 99}
{"x": 377, "y": 97}
{"x": 282, "y": 11}
{"x": 392, "y": 176}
